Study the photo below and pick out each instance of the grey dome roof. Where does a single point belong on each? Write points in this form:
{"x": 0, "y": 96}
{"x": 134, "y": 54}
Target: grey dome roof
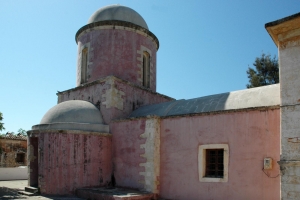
{"x": 118, "y": 12}
{"x": 73, "y": 115}
{"x": 75, "y": 111}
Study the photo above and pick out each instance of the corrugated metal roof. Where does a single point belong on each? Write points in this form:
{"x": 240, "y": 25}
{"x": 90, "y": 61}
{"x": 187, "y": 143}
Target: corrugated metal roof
{"x": 249, "y": 98}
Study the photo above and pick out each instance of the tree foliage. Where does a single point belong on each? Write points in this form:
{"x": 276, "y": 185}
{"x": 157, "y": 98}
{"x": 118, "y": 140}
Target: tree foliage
{"x": 266, "y": 71}
{"x": 1, "y": 124}
{"x": 22, "y": 132}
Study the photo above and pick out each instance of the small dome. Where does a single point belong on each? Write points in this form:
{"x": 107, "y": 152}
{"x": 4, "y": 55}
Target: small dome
{"x": 118, "y": 12}
{"x": 73, "y": 115}
{"x": 75, "y": 111}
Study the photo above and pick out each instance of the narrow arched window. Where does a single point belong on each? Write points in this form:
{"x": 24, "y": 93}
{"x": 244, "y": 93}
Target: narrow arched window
{"x": 146, "y": 69}
{"x": 84, "y": 61}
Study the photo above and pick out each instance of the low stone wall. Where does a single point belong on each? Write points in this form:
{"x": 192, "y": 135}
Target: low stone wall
{"x": 13, "y": 173}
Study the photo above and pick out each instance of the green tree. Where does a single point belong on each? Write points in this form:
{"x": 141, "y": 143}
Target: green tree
{"x": 266, "y": 71}
{"x": 22, "y": 132}
{"x": 1, "y": 124}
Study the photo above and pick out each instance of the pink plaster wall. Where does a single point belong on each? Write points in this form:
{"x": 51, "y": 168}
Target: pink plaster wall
{"x": 251, "y": 136}
{"x": 114, "y": 52}
{"x": 127, "y": 151}
{"x": 133, "y": 97}
{"x": 68, "y": 161}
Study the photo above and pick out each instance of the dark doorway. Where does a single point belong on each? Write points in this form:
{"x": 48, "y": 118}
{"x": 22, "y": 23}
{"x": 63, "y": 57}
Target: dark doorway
{"x": 20, "y": 158}
{"x": 33, "y": 164}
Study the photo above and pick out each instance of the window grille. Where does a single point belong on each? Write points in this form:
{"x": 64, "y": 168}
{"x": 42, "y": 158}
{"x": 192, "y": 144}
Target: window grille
{"x": 214, "y": 163}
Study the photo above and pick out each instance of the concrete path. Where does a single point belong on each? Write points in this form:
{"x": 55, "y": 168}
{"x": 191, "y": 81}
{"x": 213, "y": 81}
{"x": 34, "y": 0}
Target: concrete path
{"x": 9, "y": 190}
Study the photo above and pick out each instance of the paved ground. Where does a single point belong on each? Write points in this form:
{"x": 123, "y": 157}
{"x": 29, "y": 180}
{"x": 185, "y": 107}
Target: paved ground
{"x": 9, "y": 190}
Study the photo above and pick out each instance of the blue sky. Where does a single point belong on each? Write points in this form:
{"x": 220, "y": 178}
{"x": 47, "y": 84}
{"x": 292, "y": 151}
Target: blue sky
{"x": 205, "y": 47}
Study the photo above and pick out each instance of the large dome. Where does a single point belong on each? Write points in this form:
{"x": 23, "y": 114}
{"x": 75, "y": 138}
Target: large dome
{"x": 118, "y": 12}
{"x": 73, "y": 115}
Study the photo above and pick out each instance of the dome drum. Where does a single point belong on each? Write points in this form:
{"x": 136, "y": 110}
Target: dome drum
{"x": 115, "y": 52}
{"x": 116, "y": 42}
{"x": 117, "y": 15}
{"x": 73, "y": 126}
{"x": 112, "y": 24}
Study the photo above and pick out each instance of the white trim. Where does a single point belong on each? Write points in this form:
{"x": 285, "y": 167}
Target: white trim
{"x": 202, "y": 162}
{"x": 14, "y": 173}
{"x": 152, "y": 155}
{"x": 79, "y": 63}
{"x": 139, "y": 57}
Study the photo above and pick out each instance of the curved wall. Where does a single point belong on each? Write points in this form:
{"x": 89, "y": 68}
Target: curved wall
{"x": 68, "y": 160}
{"x": 117, "y": 51}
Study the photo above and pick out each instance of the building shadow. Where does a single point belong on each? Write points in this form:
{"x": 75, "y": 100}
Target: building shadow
{"x": 10, "y": 193}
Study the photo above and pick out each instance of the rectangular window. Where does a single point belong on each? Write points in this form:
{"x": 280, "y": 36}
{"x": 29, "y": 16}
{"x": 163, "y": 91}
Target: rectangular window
{"x": 213, "y": 160}
{"x": 20, "y": 157}
{"x": 214, "y": 163}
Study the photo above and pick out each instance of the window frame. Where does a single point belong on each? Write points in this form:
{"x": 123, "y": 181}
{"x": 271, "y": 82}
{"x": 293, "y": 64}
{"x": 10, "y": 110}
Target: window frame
{"x": 202, "y": 162}
{"x": 84, "y": 65}
{"x": 146, "y": 69}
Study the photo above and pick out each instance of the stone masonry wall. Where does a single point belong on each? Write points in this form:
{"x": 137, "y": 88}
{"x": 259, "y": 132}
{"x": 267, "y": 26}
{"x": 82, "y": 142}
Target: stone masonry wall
{"x": 8, "y": 152}
{"x": 114, "y": 97}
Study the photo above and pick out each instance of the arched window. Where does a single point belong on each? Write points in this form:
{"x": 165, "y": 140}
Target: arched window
{"x": 84, "y": 61}
{"x": 146, "y": 69}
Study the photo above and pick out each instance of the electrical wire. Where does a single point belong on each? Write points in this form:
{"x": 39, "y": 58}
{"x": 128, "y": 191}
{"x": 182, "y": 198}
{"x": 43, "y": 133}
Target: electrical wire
{"x": 268, "y": 175}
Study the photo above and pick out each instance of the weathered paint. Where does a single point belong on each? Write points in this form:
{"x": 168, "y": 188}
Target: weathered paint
{"x": 9, "y": 146}
{"x": 114, "y": 97}
{"x": 286, "y": 34}
{"x": 251, "y": 136}
{"x": 289, "y": 62}
{"x": 127, "y": 149}
{"x": 113, "y": 51}
{"x": 32, "y": 157}
{"x": 290, "y": 148}
{"x": 152, "y": 155}
{"x": 289, "y": 72}
{"x": 161, "y": 154}
{"x": 73, "y": 159}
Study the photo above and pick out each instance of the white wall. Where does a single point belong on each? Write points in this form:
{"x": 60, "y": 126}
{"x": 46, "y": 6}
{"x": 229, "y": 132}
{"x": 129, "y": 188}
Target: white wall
{"x": 15, "y": 173}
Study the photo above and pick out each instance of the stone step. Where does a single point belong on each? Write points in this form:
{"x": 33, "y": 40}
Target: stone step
{"x": 113, "y": 194}
{"x": 31, "y": 189}
{"x": 26, "y": 193}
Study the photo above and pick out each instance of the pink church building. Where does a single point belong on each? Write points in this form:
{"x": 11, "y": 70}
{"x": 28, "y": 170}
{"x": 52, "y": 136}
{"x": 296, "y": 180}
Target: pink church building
{"x": 113, "y": 132}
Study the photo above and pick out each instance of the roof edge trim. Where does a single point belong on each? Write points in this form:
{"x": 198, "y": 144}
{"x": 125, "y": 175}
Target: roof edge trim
{"x": 117, "y": 23}
{"x": 279, "y": 21}
{"x": 116, "y": 78}
{"x": 219, "y": 112}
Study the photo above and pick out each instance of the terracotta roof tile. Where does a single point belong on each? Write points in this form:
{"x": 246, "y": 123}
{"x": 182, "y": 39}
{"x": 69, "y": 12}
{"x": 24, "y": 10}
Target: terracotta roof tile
{"x": 11, "y": 136}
